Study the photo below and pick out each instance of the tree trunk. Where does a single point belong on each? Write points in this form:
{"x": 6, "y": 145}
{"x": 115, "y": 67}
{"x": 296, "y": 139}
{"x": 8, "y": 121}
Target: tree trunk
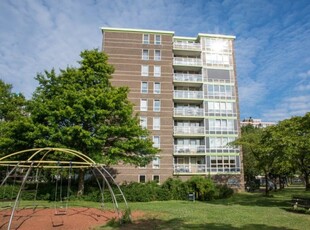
{"x": 306, "y": 176}
{"x": 80, "y": 191}
{"x": 266, "y": 185}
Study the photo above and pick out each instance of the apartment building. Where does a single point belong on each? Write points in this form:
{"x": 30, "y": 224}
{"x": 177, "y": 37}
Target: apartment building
{"x": 257, "y": 123}
{"x": 185, "y": 92}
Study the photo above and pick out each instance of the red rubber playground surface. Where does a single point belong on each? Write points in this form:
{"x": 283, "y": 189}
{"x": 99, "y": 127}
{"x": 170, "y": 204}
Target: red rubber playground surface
{"x": 44, "y": 219}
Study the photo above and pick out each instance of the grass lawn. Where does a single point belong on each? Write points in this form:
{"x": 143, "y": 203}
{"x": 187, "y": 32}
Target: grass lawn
{"x": 242, "y": 211}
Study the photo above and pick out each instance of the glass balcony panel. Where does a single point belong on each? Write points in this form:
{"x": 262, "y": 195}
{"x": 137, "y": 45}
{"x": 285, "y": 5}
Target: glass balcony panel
{"x": 188, "y": 130}
{"x": 186, "y": 45}
{"x": 189, "y": 149}
{"x": 194, "y": 112}
{"x": 188, "y": 94}
{"x": 187, "y": 61}
{"x": 187, "y": 77}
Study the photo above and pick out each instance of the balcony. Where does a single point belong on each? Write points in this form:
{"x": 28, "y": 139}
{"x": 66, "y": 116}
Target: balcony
{"x": 187, "y": 46}
{"x": 187, "y": 77}
{"x": 194, "y": 130}
{"x": 221, "y": 130}
{"x": 187, "y": 61}
{"x": 185, "y": 94}
{"x": 191, "y": 112}
{"x": 189, "y": 168}
{"x": 189, "y": 149}
{"x": 223, "y": 150}
{"x": 202, "y": 168}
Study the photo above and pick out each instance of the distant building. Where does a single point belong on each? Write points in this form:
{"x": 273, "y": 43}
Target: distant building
{"x": 185, "y": 92}
{"x": 258, "y": 123}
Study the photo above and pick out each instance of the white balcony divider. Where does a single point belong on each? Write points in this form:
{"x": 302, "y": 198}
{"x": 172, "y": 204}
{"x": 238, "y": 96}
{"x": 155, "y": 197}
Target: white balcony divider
{"x": 189, "y": 129}
{"x": 187, "y": 77}
{"x": 193, "y": 112}
{"x": 188, "y": 94}
{"x": 187, "y": 61}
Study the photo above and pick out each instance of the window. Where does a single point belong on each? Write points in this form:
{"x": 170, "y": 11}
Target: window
{"x": 157, "y": 39}
{"x": 155, "y": 163}
{"x": 145, "y": 70}
{"x": 143, "y": 122}
{"x": 157, "y": 71}
{"x": 142, "y": 179}
{"x": 144, "y": 87}
{"x": 143, "y": 105}
{"x": 156, "y": 178}
{"x": 157, "y": 55}
{"x": 156, "y": 123}
{"x": 145, "y": 54}
{"x": 146, "y": 39}
{"x": 156, "y": 106}
{"x": 156, "y": 141}
{"x": 156, "y": 88}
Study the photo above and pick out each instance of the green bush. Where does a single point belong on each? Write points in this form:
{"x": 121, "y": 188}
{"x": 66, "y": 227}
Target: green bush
{"x": 204, "y": 188}
{"x": 224, "y": 191}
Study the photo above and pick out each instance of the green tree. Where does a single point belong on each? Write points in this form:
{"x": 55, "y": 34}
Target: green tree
{"x": 81, "y": 110}
{"x": 258, "y": 144}
{"x": 296, "y": 135}
{"x": 15, "y": 124}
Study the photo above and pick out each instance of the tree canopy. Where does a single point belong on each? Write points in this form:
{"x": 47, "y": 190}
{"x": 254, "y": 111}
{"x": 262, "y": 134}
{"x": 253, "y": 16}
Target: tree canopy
{"x": 80, "y": 109}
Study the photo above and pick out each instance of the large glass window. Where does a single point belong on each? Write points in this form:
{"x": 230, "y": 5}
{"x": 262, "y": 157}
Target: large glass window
{"x": 157, "y": 71}
{"x": 145, "y": 54}
{"x": 144, "y": 87}
{"x": 157, "y": 88}
{"x": 156, "y": 106}
{"x": 143, "y": 105}
{"x": 145, "y": 70}
{"x": 146, "y": 39}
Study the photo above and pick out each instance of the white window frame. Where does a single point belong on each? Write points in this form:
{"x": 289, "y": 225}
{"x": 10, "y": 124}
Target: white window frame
{"x": 143, "y": 89}
{"x": 156, "y": 162}
{"x": 145, "y": 57}
{"x": 146, "y": 41}
{"x": 156, "y": 123}
{"x": 157, "y": 57}
{"x": 139, "y": 178}
{"x": 143, "y": 122}
{"x": 145, "y": 70}
{"x": 157, "y": 70}
{"x": 155, "y": 107}
{"x": 157, "y": 42}
{"x": 157, "y": 143}
{"x": 143, "y": 104}
{"x": 157, "y": 88}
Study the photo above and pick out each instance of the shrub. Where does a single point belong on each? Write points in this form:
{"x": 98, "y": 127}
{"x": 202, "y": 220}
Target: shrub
{"x": 224, "y": 191}
{"x": 204, "y": 188}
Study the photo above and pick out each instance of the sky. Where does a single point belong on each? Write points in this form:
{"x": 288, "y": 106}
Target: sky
{"x": 272, "y": 46}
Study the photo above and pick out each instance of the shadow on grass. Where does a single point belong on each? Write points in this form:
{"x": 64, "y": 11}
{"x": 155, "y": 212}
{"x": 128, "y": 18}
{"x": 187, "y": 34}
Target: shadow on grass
{"x": 279, "y": 198}
{"x": 178, "y": 224}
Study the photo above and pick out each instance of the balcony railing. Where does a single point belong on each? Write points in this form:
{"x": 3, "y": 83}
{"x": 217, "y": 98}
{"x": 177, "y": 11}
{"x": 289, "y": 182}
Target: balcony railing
{"x": 187, "y": 77}
{"x": 193, "y": 112}
{"x": 187, "y": 61}
{"x": 221, "y": 130}
{"x": 188, "y": 130}
{"x": 186, "y": 46}
{"x": 220, "y": 113}
{"x": 189, "y": 149}
{"x": 223, "y": 150}
{"x": 202, "y": 168}
{"x": 185, "y": 94}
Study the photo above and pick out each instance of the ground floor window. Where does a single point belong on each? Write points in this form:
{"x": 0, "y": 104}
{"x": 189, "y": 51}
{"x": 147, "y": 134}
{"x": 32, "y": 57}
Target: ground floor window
{"x": 142, "y": 179}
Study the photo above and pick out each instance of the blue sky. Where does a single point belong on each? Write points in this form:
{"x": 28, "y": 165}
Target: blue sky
{"x": 272, "y": 41}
